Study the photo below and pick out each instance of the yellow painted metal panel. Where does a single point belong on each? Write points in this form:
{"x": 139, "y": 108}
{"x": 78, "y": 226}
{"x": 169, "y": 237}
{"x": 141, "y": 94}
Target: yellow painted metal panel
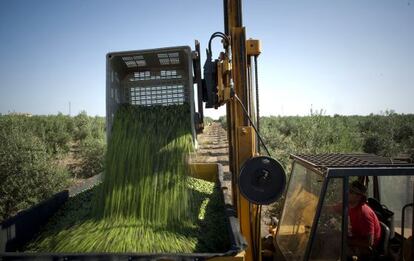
{"x": 205, "y": 171}
{"x": 253, "y": 47}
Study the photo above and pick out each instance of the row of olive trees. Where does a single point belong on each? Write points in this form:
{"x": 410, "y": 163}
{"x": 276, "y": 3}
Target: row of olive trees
{"x": 33, "y": 151}
{"x": 388, "y": 134}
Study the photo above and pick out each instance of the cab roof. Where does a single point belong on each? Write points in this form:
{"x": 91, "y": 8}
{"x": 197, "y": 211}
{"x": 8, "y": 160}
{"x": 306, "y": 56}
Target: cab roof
{"x": 322, "y": 162}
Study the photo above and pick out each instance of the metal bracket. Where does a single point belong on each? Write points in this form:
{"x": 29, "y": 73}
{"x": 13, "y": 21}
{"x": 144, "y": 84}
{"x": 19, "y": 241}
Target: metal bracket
{"x": 253, "y": 47}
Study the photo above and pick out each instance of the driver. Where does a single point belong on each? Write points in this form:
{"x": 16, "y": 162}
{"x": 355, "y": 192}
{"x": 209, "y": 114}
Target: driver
{"x": 365, "y": 232}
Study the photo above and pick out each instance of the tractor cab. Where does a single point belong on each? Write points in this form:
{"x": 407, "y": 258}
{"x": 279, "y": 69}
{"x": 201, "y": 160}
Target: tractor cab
{"x": 309, "y": 229}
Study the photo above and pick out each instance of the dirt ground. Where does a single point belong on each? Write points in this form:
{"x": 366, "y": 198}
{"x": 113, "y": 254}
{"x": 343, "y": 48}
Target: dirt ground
{"x": 213, "y": 147}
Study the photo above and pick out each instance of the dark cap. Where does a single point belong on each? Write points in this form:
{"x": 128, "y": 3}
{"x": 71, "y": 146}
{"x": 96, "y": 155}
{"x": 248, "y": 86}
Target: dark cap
{"x": 358, "y": 188}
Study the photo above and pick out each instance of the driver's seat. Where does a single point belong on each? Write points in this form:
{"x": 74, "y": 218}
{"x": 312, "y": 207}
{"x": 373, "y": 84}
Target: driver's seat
{"x": 382, "y": 248}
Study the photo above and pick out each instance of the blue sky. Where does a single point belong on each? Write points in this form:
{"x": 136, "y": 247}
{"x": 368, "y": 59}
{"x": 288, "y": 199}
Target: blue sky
{"x": 345, "y": 57}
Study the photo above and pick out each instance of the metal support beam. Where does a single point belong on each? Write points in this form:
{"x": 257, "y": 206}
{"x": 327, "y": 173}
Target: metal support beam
{"x": 233, "y": 18}
{"x": 245, "y": 210}
{"x": 241, "y": 137}
{"x": 236, "y": 116}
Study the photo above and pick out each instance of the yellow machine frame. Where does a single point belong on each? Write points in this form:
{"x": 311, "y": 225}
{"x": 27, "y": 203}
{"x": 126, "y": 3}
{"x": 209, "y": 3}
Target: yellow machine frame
{"x": 241, "y": 136}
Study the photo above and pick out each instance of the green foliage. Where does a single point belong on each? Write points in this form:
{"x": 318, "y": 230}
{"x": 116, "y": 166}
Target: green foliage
{"x": 373, "y": 144}
{"x": 223, "y": 122}
{"x": 54, "y": 131}
{"x": 26, "y": 174}
{"x": 388, "y": 134}
{"x": 82, "y": 126}
{"x": 89, "y": 134}
{"x": 91, "y": 155}
{"x": 31, "y": 149}
{"x": 385, "y": 135}
{"x": 207, "y": 120}
{"x": 60, "y": 133}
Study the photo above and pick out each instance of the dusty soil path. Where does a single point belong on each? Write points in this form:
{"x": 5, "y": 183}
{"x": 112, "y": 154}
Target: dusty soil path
{"x": 213, "y": 147}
